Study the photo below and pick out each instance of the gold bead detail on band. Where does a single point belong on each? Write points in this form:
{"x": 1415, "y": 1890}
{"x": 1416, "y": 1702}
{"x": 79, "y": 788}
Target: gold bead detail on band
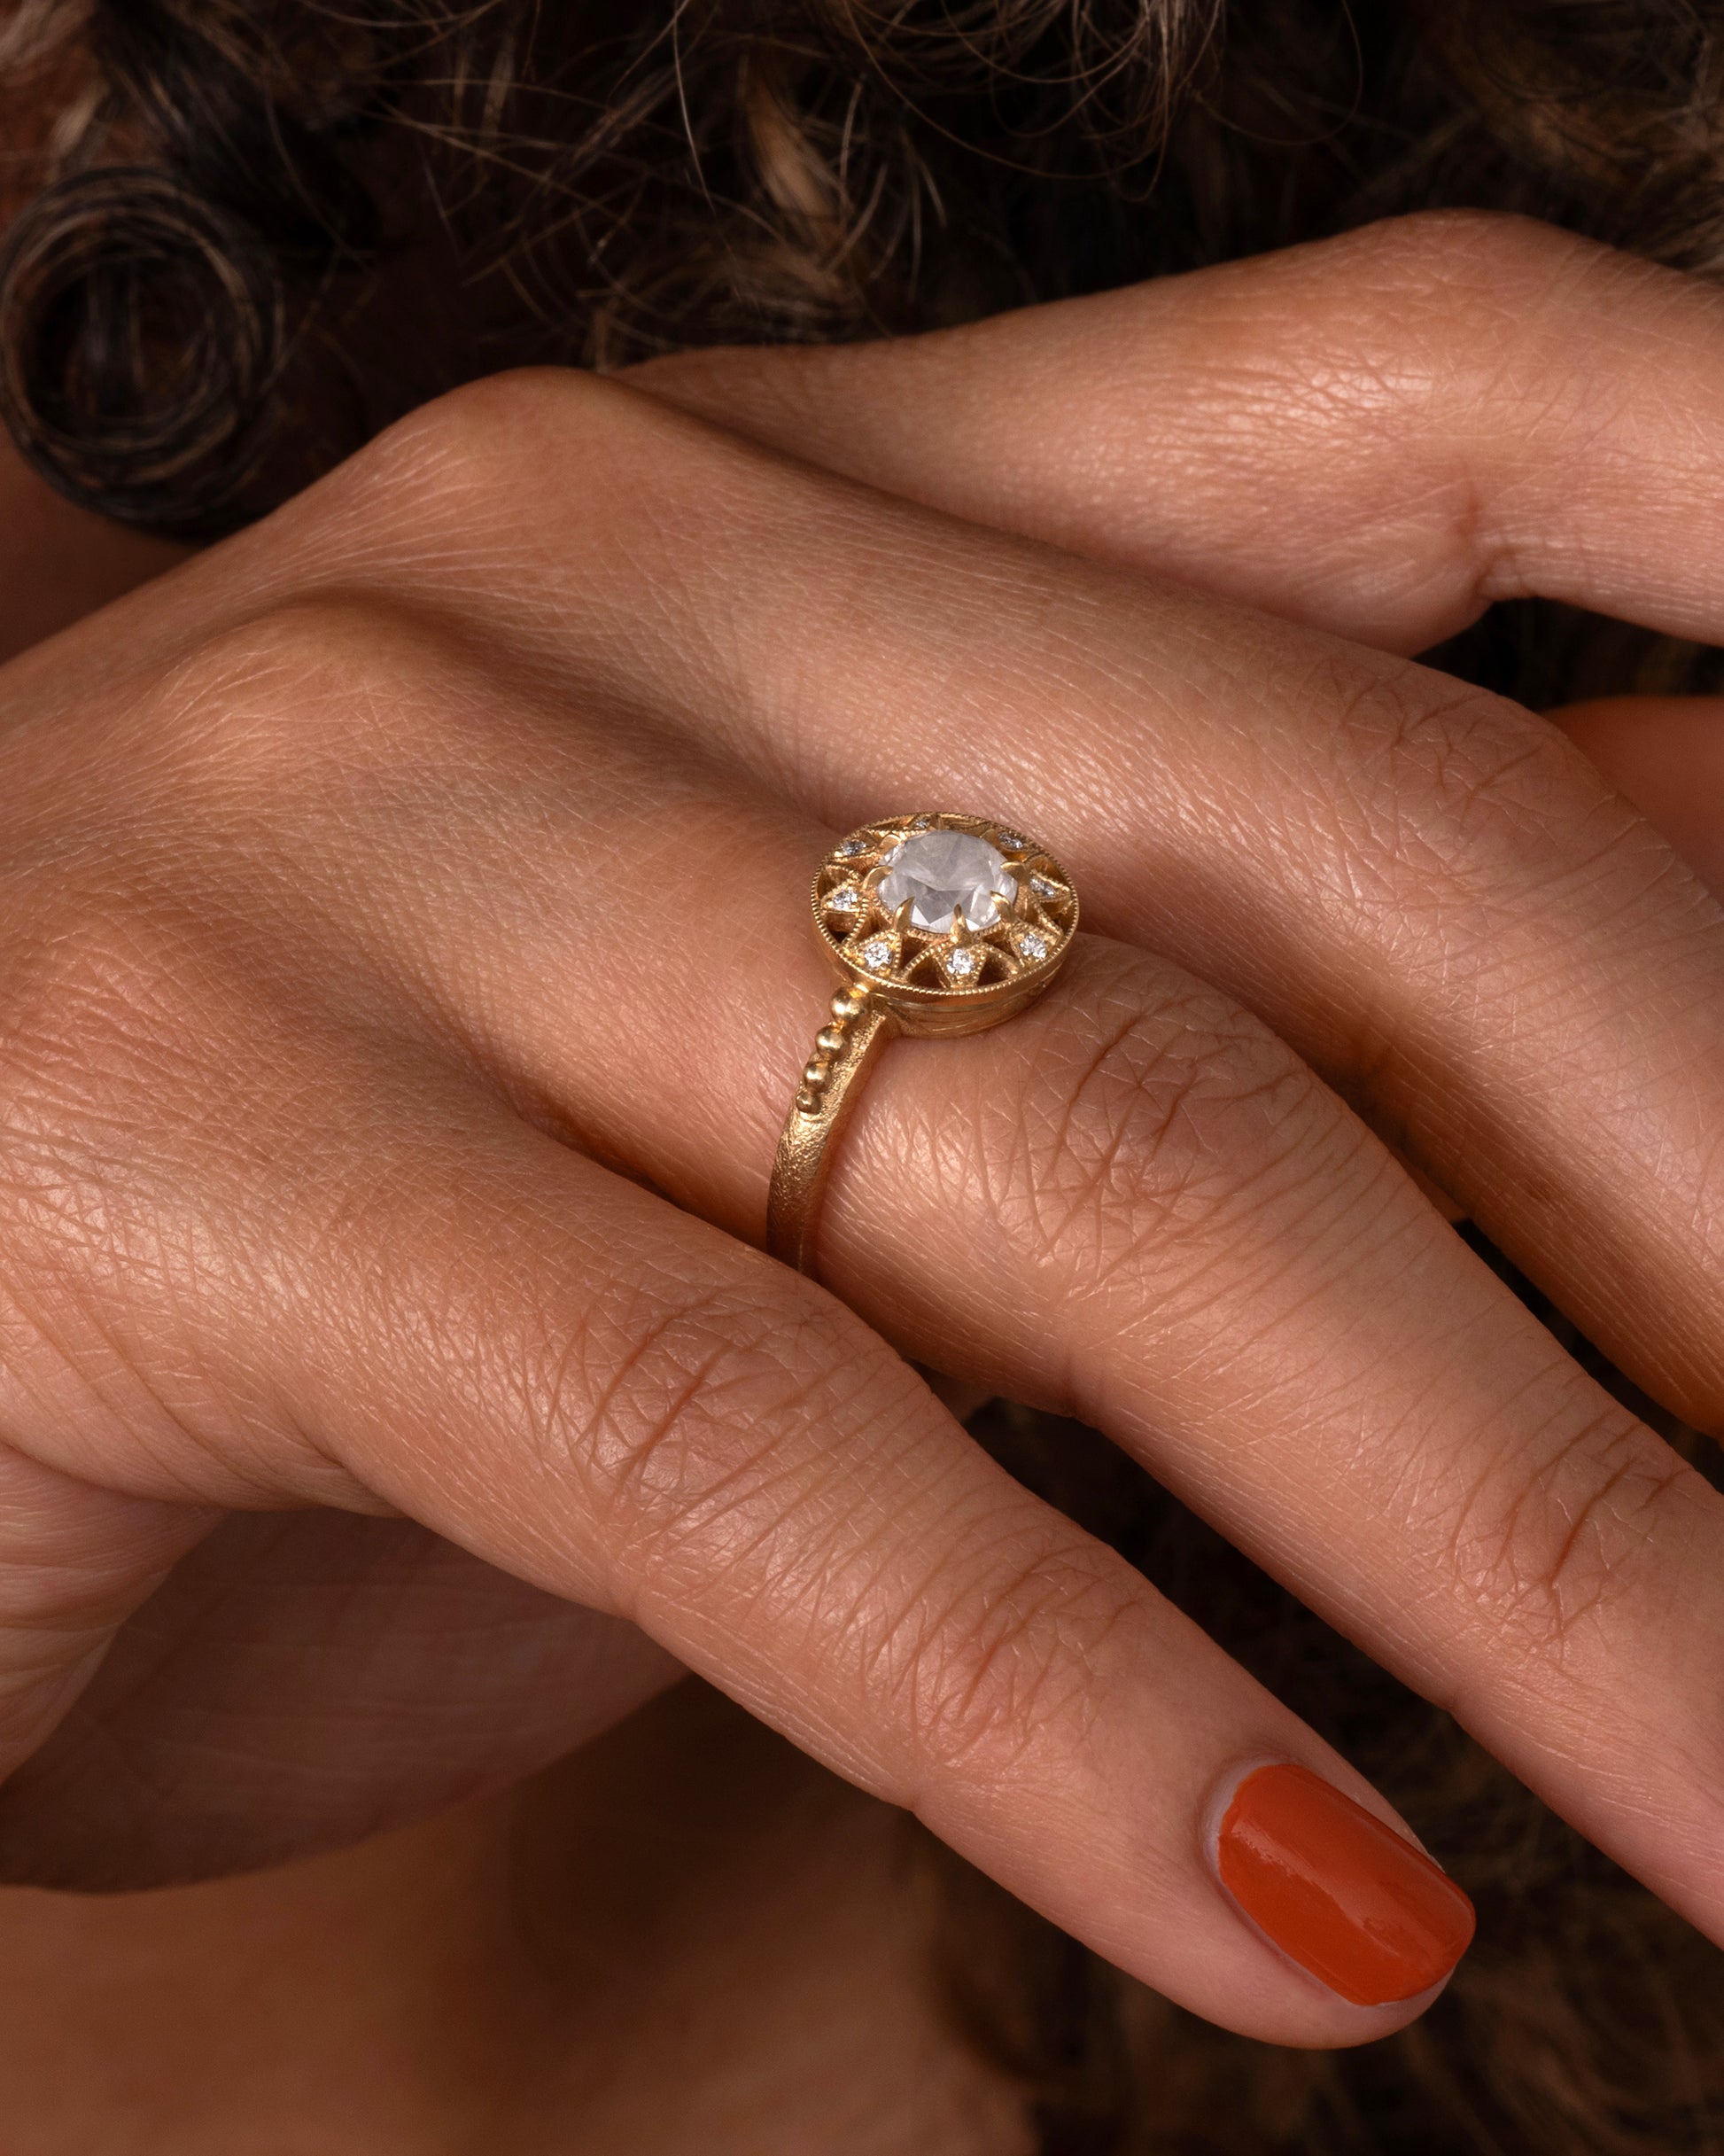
{"x": 830, "y": 1044}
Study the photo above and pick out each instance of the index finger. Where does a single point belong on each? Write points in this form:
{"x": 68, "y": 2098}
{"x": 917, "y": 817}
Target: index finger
{"x": 1378, "y": 434}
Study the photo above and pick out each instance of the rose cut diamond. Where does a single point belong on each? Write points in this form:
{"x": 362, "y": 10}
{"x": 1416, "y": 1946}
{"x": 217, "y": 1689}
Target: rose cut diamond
{"x": 944, "y": 873}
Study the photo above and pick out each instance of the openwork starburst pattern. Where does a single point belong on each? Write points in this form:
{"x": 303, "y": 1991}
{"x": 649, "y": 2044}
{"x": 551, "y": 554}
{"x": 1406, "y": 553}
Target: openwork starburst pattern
{"x": 940, "y": 913}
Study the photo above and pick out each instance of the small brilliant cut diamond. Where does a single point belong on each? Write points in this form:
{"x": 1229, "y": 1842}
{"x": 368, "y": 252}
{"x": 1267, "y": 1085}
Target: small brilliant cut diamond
{"x": 1032, "y": 946}
{"x": 944, "y": 873}
{"x": 1043, "y": 888}
{"x": 960, "y": 962}
{"x": 847, "y": 849}
{"x": 877, "y": 953}
{"x": 1014, "y": 839}
{"x": 845, "y": 901}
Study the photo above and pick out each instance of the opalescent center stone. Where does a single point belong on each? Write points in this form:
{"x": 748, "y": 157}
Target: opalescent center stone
{"x": 946, "y": 872}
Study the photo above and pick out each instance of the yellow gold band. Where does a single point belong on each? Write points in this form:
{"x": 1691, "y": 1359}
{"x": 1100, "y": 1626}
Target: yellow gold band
{"x": 860, "y": 1027}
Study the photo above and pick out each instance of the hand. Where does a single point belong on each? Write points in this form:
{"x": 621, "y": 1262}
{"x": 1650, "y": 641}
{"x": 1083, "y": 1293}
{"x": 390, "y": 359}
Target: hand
{"x": 462, "y": 811}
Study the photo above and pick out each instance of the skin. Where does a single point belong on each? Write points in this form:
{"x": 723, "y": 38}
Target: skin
{"x": 334, "y": 1177}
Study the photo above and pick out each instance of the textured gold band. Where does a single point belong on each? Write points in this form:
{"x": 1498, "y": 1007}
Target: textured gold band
{"x": 860, "y": 1027}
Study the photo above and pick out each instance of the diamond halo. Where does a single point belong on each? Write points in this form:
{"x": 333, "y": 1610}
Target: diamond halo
{"x": 954, "y": 922}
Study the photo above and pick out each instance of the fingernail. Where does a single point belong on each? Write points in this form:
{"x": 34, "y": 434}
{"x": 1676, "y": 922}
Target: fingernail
{"x": 1338, "y": 1890}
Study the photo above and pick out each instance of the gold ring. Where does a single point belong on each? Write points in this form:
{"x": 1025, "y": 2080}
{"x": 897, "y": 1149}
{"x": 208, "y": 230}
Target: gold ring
{"x": 936, "y": 925}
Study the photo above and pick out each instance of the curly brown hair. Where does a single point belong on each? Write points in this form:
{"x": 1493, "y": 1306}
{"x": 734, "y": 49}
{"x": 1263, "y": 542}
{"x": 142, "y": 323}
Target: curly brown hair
{"x": 238, "y": 206}
{"x": 231, "y": 218}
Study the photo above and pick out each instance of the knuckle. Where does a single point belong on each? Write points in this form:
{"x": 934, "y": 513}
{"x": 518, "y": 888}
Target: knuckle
{"x": 733, "y": 1452}
{"x": 466, "y": 445}
{"x": 464, "y": 463}
{"x": 125, "y": 1017}
{"x": 997, "y": 1666}
{"x": 1149, "y": 1109}
{"x": 1488, "y": 258}
{"x": 1549, "y": 1545}
{"x": 1442, "y": 796}
{"x": 116, "y": 1170}
{"x": 681, "y": 1409}
{"x": 309, "y": 690}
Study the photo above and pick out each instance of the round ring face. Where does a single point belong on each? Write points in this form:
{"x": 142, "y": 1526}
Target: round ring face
{"x": 956, "y": 922}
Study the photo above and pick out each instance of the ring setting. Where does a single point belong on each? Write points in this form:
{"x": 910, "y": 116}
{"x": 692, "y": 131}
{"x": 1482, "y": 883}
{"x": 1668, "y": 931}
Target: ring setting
{"x": 937, "y": 924}
{"x": 943, "y": 914}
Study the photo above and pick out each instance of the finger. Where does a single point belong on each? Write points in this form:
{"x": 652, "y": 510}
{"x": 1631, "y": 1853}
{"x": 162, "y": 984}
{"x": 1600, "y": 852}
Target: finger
{"x": 1378, "y": 434}
{"x": 1424, "y": 890}
{"x": 302, "y": 1681}
{"x": 1134, "y": 1205}
{"x": 624, "y": 1406}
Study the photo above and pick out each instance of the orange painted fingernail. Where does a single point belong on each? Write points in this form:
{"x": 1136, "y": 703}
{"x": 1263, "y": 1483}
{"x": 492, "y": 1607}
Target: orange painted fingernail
{"x": 1338, "y": 1890}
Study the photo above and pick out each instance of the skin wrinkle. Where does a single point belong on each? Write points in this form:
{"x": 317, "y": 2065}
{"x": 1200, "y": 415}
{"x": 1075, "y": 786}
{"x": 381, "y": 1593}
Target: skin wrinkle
{"x": 701, "y": 1529}
{"x": 1164, "y": 1208}
{"x": 817, "y": 1583}
{"x": 1320, "y": 1284}
{"x": 1494, "y": 1580}
{"x": 637, "y": 1435}
{"x": 902, "y": 1609}
{"x": 900, "y": 1638}
{"x": 162, "y": 1434}
{"x": 1125, "y": 1061}
{"x": 1526, "y": 1589}
{"x": 998, "y": 1718}
{"x": 694, "y": 1523}
{"x": 1391, "y": 1441}
{"x": 554, "y": 1438}
{"x": 1356, "y": 1434}
{"x": 1648, "y": 1486}
{"x": 1193, "y": 371}
{"x": 1074, "y": 1095}
{"x": 1422, "y": 1474}
{"x": 1467, "y": 243}
{"x": 1436, "y": 823}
